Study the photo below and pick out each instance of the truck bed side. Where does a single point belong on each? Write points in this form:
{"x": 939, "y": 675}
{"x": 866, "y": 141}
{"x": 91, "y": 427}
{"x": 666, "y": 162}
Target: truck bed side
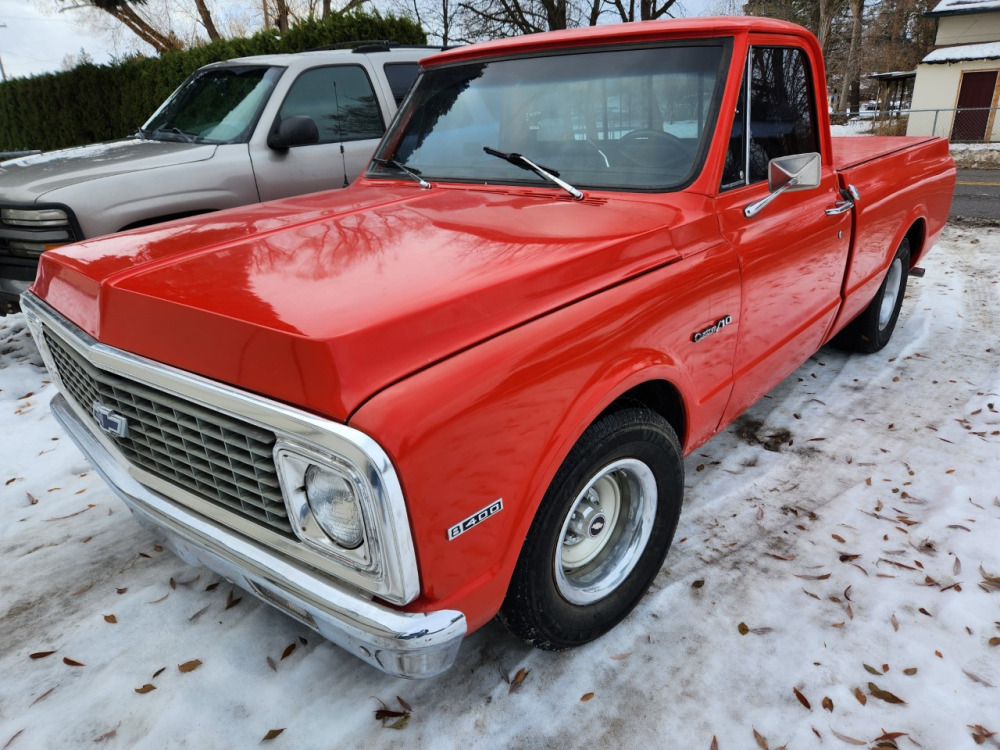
{"x": 905, "y": 186}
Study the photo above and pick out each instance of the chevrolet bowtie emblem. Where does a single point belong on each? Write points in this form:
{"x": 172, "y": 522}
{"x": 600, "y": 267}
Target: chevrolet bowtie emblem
{"x": 109, "y": 421}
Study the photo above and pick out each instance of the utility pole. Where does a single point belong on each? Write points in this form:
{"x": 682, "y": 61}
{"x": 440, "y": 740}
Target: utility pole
{"x": 3, "y": 73}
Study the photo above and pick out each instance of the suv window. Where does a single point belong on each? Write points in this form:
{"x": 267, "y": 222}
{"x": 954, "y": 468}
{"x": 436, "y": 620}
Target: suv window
{"x": 400, "y": 77}
{"x": 782, "y": 120}
{"x": 339, "y": 99}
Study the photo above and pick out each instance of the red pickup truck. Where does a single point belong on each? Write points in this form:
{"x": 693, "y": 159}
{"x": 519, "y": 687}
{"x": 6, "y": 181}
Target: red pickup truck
{"x": 464, "y": 386}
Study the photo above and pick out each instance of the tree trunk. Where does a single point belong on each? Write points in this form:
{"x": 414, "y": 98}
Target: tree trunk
{"x": 850, "y": 86}
{"x": 206, "y": 20}
{"x": 281, "y": 15}
{"x": 141, "y": 28}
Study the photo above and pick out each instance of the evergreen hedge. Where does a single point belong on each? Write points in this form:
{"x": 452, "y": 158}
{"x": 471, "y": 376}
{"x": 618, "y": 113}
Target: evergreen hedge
{"x": 92, "y": 103}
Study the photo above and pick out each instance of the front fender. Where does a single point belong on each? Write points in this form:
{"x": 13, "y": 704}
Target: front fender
{"x": 497, "y": 420}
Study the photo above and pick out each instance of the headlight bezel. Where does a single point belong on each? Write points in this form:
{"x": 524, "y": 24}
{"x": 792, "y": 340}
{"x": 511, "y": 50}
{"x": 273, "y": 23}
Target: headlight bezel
{"x": 293, "y": 460}
{"x": 35, "y": 217}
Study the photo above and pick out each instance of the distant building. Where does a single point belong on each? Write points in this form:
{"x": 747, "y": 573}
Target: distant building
{"x": 957, "y": 87}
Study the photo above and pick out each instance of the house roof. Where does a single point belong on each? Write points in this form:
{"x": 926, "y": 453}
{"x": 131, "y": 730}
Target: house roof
{"x": 961, "y": 7}
{"x": 987, "y": 51}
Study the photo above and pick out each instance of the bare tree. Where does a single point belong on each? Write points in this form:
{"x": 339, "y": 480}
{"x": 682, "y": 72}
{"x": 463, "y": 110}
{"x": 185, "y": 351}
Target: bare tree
{"x": 850, "y": 86}
{"x": 126, "y": 13}
{"x": 206, "y": 20}
{"x": 648, "y": 10}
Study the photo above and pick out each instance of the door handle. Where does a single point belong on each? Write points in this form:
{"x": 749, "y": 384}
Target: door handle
{"x": 840, "y": 207}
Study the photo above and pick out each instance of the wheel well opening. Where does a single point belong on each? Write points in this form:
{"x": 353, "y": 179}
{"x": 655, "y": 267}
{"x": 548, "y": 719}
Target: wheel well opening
{"x": 660, "y": 396}
{"x": 916, "y": 235}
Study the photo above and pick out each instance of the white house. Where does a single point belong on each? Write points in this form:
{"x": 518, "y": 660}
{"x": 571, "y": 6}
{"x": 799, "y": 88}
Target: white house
{"x": 957, "y": 87}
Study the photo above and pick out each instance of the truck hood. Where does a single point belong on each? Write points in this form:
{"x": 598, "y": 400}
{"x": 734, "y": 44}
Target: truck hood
{"x": 31, "y": 178}
{"x": 323, "y": 300}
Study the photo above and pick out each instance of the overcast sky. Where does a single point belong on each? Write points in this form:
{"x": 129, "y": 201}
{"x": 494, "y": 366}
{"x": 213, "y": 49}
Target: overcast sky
{"x": 33, "y": 42}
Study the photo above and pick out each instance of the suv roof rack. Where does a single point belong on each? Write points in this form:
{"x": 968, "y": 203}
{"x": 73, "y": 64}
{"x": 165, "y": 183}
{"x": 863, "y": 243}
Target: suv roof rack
{"x": 364, "y": 46}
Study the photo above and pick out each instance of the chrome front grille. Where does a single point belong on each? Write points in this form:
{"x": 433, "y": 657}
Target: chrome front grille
{"x": 221, "y": 459}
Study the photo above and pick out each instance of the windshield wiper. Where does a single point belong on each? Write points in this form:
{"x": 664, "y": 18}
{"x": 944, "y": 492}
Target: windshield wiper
{"x": 140, "y": 134}
{"x": 185, "y": 136}
{"x": 405, "y": 170}
{"x": 518, "y": 160}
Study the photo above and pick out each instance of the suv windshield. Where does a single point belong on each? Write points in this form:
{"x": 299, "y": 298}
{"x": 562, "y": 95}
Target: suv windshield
{"x": 614, "y": 119}
{"x": 217, "y": 105}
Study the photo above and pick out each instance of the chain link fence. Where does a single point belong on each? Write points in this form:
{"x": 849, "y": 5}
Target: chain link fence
{"x": 965, "y": 125}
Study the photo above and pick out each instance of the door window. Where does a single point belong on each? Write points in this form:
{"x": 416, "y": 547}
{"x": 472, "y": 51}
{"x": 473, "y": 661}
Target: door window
{"x": 340, "y": 100}
{"x": 780, "y": 117}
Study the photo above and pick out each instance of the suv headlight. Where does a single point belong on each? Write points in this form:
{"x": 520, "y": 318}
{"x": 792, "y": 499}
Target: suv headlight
{"x": 34, "y": 217}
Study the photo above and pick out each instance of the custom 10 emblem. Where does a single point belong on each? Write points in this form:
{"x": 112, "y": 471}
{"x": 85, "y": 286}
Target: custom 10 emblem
{"x": 475, "y": 519}
{"x": 714, "y": 328}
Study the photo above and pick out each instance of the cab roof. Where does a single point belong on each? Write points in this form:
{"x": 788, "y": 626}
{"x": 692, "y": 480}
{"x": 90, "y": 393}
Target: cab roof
{"x": 622, "y": 33}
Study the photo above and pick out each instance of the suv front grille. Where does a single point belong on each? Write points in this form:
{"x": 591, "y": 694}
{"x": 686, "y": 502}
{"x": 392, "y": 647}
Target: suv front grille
{"x": 223, "y": 460}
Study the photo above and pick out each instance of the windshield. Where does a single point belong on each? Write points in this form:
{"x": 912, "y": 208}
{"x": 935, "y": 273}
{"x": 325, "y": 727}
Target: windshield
{"x": 217, "y": 105}
{"x": 627, "y": 119}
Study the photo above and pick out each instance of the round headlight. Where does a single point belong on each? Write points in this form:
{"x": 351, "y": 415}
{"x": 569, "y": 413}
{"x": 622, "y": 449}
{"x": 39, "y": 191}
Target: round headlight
{"x": 334, "y": 505}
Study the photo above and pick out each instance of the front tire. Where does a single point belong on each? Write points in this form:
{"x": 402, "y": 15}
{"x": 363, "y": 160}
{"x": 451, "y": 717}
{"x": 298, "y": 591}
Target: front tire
{"x": 873, "y": 328}
{"x": 601, "y": 533}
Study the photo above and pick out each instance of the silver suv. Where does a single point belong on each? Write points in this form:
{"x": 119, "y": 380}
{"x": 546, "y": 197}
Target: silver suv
{"x": 237, "y": 132}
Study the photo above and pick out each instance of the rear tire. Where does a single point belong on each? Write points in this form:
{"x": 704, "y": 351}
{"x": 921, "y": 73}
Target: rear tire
{"x": 872, "y": 329}
{"x": 601, "y": 533}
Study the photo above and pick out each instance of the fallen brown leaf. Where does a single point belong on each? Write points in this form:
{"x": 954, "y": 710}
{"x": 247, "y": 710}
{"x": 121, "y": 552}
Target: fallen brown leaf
{"x": 518, "y": 679}
{"x": 40, "y": 654}
{"x": 71, "y": 515}
{"x": 189, "y": 666}
{"x": 802, "y": 699}
{"x": 72, "y": 662}
{"x": 147, "y": 688}
{"x": 586, "y": 697}
{"x": 977, "y": 678}
{"x": 828, "y": 704}
{"x": 883, "y": 695}
{"x": 199, "y": 613}
{"x": 845, "y": 738}
{"x": 272, "y": 733}
{"x": 43, "y": 696}
{"x": 399, "y": 723}
{"x": 862, "y": 699}
{"x": 110, "y": 619}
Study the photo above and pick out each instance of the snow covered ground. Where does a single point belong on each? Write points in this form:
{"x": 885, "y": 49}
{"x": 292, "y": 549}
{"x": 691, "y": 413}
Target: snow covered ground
{"x": 835, "y": 580}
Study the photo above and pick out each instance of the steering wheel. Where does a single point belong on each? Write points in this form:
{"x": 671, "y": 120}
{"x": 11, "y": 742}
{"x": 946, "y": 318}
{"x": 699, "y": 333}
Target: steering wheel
{"x": 652, "y": 147}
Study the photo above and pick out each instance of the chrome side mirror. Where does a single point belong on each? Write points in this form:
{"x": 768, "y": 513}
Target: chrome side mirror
{"x": 788, "y": 174}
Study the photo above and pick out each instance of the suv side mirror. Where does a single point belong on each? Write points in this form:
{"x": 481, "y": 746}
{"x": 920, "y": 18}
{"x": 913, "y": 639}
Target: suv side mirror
{"x": 298, "y": 130}
{"x": 788, "y": 174}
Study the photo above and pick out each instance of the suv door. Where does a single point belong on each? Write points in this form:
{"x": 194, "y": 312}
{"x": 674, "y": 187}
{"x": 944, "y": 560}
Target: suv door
{"x": 342, "y": 102}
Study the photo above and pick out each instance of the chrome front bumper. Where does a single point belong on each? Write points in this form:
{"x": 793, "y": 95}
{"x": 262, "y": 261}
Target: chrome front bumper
{"x": 398, "y": 643}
